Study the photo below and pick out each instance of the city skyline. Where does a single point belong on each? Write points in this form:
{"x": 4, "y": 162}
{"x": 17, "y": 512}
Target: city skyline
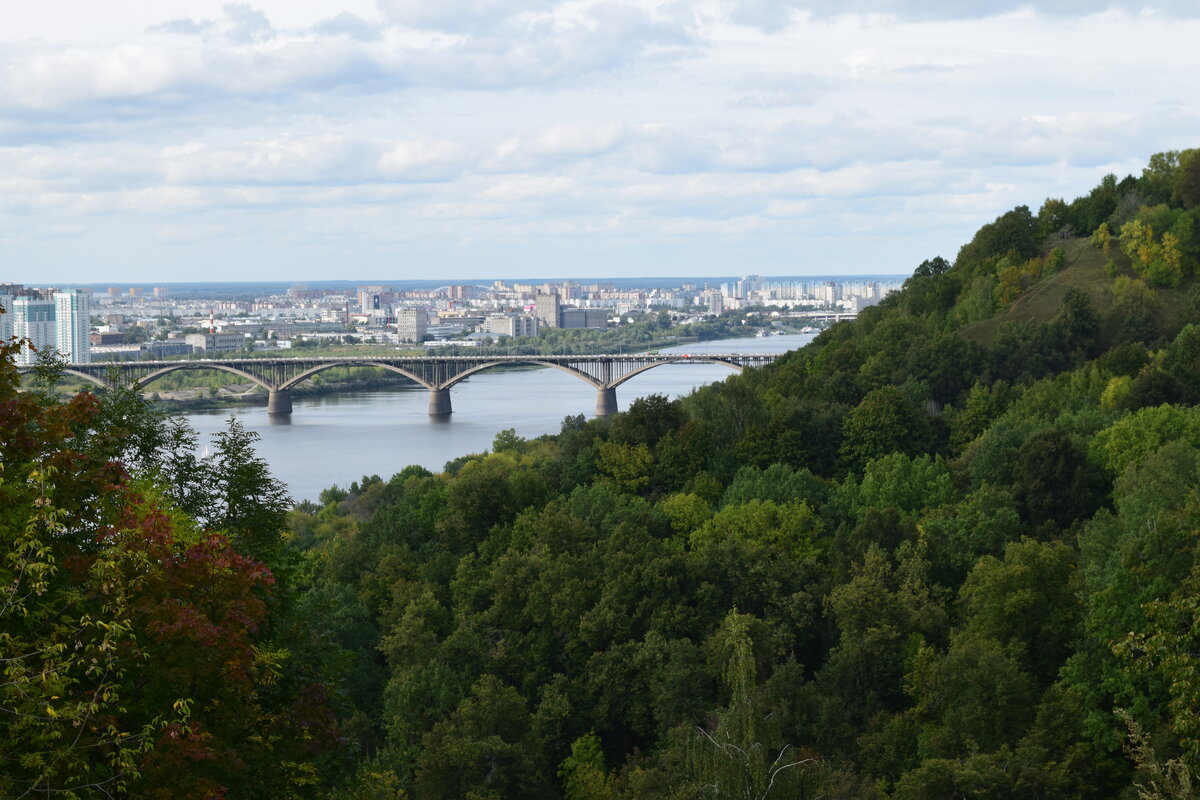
{"x": 276, "y": 140}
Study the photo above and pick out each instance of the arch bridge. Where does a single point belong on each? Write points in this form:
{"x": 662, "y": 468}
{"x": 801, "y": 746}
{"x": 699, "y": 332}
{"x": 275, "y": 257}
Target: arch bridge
{"x": 437, "y": 374}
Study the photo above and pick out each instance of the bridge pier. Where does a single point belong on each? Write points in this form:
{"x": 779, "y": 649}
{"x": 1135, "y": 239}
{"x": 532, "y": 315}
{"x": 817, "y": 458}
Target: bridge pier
{"x": 439, "y": 403}
{"x": 279, "y": 401}
{"x": 606, "y": 402}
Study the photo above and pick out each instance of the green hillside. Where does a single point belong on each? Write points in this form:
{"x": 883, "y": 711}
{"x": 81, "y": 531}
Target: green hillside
{"x": 1083, "y": 270}
{"x": 949, "y": 550}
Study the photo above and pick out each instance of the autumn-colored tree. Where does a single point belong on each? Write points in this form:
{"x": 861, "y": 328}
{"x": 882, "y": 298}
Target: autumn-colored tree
{"x": 129, "y": 634}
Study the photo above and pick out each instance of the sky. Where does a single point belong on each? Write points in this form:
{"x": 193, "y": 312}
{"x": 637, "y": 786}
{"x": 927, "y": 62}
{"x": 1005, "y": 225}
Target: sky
{"x": 192, "y": 140}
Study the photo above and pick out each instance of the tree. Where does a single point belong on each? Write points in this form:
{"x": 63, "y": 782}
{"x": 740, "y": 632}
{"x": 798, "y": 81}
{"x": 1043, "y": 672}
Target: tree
{"x": 482, "y": 749}
{"x": 1052, "y": 481}
{"x": 647, "y": 420}
{"x": 67, "y": 638}
{"x": 738, "y": 760}
{"x": 583, "y": 773}
{"x": 885, "y": 422}
{"x": 1078, "y": 324}
{"x": 1187, "y": 183}
{"x": 133, "y": 655}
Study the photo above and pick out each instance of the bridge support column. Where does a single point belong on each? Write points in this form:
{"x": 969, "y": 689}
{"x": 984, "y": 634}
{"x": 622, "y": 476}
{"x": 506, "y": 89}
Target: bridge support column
{"x": 439, "y": 403}
{"x": 606, "y": 402}
{"x": 279, "y": 401}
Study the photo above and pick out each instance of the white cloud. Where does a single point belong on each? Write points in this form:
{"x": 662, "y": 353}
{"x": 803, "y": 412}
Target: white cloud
{"x": 462, "y": 16}
{"x": 246, "y": 24}
{"x": 351, "y": 25}
{"x": 674, "y": 135}
{"x": 775, "y": 15}
{"x": 421, "y": 161}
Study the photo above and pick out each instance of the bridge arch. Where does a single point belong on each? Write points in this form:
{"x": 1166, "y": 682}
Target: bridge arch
{"x": 308, "y": 373}
{"x": 182, "y": 365}
{"x": 103, "y": 384}
{"x": 531, "y": 360}
{"x": 679, "y": 360}
{"x": 90, "y": 378}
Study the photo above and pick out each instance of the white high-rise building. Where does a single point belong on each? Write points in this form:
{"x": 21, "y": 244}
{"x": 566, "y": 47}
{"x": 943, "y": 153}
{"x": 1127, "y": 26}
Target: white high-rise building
{"x": 73, "y": 309}
{"x": 6, "y": 319}
{"x": 33, "y": 319}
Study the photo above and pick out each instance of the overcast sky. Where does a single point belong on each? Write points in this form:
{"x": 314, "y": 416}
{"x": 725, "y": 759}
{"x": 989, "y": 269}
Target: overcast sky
{"x": 186, "y": 140}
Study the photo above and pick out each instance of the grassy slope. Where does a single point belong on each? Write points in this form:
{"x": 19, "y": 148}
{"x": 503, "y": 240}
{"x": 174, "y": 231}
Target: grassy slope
{"x": 1084, "y": 270}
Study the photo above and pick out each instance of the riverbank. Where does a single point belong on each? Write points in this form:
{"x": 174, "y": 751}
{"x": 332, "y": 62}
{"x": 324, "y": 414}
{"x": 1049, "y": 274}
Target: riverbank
{"x": 242, "y": 395}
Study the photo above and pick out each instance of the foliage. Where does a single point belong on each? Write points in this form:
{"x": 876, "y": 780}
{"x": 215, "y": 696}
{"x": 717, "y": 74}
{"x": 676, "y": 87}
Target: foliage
{"x": 907, "y": 561}
{"x": 135, "y": 643}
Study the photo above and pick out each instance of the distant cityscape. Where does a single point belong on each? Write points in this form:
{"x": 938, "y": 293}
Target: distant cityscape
{"x": 89, "y": 324}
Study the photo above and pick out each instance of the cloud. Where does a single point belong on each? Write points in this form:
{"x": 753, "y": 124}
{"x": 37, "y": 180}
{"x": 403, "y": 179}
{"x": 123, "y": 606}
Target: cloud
{"x": 183, "y": 26}
{"x": 351, "y": 25}
{"x": 555, "y": 145}
{"x": 542, "y": 50}
{"x": 780, "y": 89}
{"x": 421, "y": 161}
{"x": 246, "y": 24}
{"x": 476, "y": 16}
{"x": 771, "y": 16}
{"x": 668, "y": 127}
{"x": 241, "y": 60}
{"x": 326, "y": 160}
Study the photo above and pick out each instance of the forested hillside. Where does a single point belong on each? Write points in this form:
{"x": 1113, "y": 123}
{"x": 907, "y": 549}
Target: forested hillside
{"x": 946, "y": 551}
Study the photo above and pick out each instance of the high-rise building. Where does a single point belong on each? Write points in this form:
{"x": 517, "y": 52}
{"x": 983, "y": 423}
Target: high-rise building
{"x": 73, "y": 311}
{"x": 411, "y": 324}
{"x": 6, "y": 318}
{"x": 33, "y": 319}
{"x": 375, "y": 298}
{"x": 546, "y": 308}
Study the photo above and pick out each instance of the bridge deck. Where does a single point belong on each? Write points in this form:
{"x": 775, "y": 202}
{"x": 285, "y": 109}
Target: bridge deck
{"x": 437, "y": 373}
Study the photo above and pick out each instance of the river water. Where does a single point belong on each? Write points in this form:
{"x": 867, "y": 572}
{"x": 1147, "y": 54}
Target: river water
{"x": 338, "y": 438}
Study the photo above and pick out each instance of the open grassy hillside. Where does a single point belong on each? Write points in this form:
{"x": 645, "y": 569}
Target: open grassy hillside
{"x": 1091, "y": 271}
{"x": 1083, "y": 270}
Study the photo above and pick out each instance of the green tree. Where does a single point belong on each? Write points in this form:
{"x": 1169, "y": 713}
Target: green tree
{"x": 1052, "y": 481}
{"x": 482, "y": 749}
{"x": 885, "y": 422}
{"x": 583, "y": 774}
{"x": 741, "y": 759}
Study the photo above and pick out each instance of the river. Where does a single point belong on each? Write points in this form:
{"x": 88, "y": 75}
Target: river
{"x": 338, "y": 438}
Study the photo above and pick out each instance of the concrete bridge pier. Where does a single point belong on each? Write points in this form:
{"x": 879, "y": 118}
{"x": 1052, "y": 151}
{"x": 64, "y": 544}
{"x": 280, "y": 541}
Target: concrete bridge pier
{"x": 439, "y": 403}
{"x": 606, "y": 402}
{"x": 279, "y": 401}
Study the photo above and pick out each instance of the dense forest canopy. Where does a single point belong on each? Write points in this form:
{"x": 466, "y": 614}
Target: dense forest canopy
{"x": 947, "y": 550}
